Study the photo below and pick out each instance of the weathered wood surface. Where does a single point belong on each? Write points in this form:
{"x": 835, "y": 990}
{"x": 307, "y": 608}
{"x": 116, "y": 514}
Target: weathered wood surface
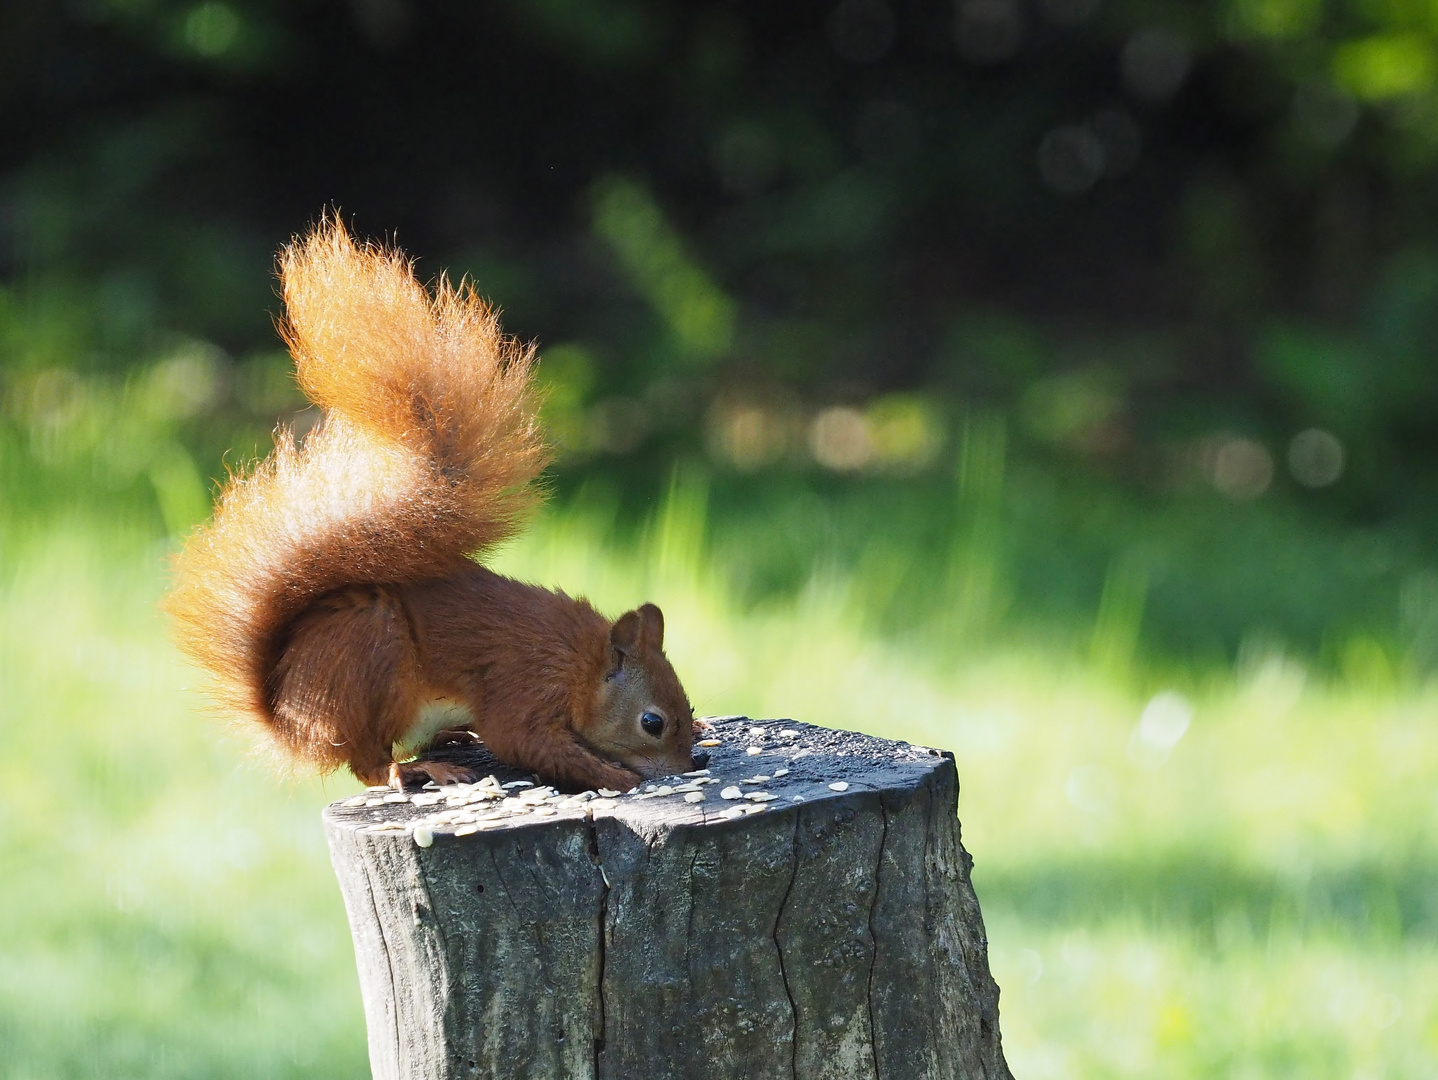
{"x": 827, "y": 934}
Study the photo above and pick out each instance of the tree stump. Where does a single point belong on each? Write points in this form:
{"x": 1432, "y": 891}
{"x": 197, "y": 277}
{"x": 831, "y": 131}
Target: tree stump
{"x": 803, "y": 909}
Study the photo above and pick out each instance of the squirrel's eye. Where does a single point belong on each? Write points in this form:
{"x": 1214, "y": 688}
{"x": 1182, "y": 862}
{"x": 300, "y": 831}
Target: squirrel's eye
{"x": 652, "y": 723}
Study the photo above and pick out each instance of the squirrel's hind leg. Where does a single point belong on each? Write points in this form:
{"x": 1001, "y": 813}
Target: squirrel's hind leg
{"x": 347, "y": 685}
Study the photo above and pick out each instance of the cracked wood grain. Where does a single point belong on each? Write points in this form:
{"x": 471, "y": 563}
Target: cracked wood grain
{"x": 835, "y": 934}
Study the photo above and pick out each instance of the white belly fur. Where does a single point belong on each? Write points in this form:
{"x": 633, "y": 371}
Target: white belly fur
{"x": 432, "y": 717}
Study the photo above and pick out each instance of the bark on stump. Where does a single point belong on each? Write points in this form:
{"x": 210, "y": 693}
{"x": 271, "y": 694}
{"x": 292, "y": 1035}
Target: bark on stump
{"x": 831, "y": 931}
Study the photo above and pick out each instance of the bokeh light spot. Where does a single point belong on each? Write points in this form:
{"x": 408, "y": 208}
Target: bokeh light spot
{"x": 1163, "y": 722}
{"x": 840, "y": 439}
{"x": 1155, "y": 61}
{"x": 747, "y": 159}
{"x": 1071, "y": 159}
{"x": 988, "y": 31}
{"x": 749, "y": 435}
{"x": 1325, "y": 115}
{"x": 1315, "y": 457}
{"x": 1386, "y": 66}
{"x": 1241, "y": 468}
{"x": 905, "y": 433}
{"x": 211, "y": 29}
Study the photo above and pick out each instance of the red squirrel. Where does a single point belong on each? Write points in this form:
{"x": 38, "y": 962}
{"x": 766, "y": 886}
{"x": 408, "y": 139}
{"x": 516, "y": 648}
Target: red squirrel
{"x": 335, "y": 595}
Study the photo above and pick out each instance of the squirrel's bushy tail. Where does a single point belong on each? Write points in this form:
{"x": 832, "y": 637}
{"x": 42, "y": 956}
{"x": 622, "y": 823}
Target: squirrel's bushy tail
{"x": 425, "y": 455}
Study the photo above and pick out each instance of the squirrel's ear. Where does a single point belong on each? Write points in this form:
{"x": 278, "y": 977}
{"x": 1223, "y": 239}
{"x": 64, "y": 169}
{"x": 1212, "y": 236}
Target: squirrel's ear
{"x": 636, "y": 631}
{"x": 653, "y": 635}
{"x": 625, "y": 634}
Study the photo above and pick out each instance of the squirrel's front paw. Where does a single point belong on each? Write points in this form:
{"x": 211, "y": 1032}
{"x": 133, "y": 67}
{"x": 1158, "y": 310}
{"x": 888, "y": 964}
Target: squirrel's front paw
{"x": 413, "y": 775}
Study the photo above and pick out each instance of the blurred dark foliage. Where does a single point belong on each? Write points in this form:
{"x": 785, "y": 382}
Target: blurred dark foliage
{"x": 1157, "y": 240}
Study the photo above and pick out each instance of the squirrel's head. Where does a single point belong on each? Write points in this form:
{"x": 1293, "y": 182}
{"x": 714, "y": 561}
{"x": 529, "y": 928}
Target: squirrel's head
{"x": 642, "y": 718}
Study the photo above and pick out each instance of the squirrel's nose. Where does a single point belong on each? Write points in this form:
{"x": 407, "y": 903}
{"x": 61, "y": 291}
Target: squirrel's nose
{"x": 701, "y": 759}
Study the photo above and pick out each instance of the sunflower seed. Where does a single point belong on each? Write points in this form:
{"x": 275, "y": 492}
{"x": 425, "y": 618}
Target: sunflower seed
{"x": 517, "y": 783}
{"x": 781, "y": 772}
{"x": 754, "y": 750}
{"x": 423, "y": 836}
{"x": 731, "y": 792}
{"x": 466, "y": 830}
{"x": 732, "y": 812}
{"x": 760, "y": 796}
{"x": 604, "y": 804}
{"x": 694, "y": 796}
{"x": 710, "y": 742}
{"x": 698, "y": 772}
{"x": 358, "y": 800}
{"x": 839, "y": 785}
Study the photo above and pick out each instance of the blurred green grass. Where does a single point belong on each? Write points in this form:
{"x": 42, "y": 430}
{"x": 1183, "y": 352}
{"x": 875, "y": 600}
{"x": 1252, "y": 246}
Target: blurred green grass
{"x": 1251, "y": 895}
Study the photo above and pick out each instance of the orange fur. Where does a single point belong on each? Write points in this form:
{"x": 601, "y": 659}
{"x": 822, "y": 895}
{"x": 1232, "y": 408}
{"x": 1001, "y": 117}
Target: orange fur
{"x": 333, "y": 594}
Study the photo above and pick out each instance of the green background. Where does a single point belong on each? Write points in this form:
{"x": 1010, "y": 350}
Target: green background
{"x": 1052, "y": 382}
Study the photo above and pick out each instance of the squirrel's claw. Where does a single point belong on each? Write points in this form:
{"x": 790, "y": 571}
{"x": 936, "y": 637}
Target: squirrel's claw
{"x": 413, "y": 775}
